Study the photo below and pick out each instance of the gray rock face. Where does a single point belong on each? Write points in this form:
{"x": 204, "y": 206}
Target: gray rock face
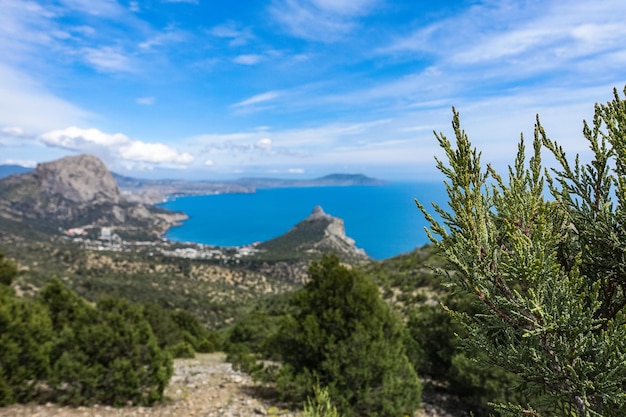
{"x": 78, "y": 191}
{"x": 318, "y": 233}
{"x": 83, "y": 179}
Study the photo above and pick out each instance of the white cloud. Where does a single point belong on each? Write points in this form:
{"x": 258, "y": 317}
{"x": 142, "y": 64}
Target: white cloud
{"x": 145, "y": 101}
{"x": 153, "y": 153}
{"x": 20, "y": 162}
{"x": 296, "y": 171}
{"x": 133, "y": 6}
{"x": 236, "y": 35}
{"x": 248, "y": 59}
{"x": 257, "y": 99}
{"x": 103, "y": 8}
{"x": 518, "y": 39}
{"x": 208, "y": 163}
{"x": 346, "y": 7}
{"x": 320, "y": 20}
{"x": 169, "y": 36}
{"x": 264, "y": 144}
{"x": 107, "y": 59}
{"x": 75, "y": 138}
{"x": 13, "y": 131}
{"x": 96, "y": 141}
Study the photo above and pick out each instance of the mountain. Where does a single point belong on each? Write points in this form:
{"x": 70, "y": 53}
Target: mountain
{"x": 325, "y": 181}
{"x": 318, "y": 233}
{"x": 155, "y": 191}
{"x": 6, "y": 170}
{"x": 77, "y": 191}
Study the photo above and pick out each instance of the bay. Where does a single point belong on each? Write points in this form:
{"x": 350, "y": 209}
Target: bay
{"x": 382, "y": 219}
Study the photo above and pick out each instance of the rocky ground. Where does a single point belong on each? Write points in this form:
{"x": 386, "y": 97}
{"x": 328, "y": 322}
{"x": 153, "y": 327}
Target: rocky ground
{"x": 206, "y": 386}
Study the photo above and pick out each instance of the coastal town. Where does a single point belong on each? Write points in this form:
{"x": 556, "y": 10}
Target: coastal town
{"x": 105, "y": 239}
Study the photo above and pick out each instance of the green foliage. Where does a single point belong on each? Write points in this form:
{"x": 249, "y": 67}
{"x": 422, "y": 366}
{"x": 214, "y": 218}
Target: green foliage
{"x": 182, "y": 350}
{"x": 434, "y": 347}
{"x": 243, "y": 360}
{"x": 165, "y": 329}
{"x": 320, "y": 405}
{"x": 104, "y": 354}
{"x": 254, "y": 331}
{"x": 343, "y": 336}
{"x": 25, "y": 334}
{"x": 549, "y": 274}
{"x": 8, "y": 270}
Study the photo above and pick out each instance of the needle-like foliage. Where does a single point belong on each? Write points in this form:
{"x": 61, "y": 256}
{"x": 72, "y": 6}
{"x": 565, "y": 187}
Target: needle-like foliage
{"x": 550, "y": 273}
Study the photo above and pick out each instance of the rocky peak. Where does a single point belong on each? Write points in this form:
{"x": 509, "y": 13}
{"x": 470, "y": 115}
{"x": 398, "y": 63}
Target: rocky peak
{"x": 83, "y": 179}
{"x": 316, "y": 234}
{"x": 78, "y": 191}
{"x": 318, "y": 212}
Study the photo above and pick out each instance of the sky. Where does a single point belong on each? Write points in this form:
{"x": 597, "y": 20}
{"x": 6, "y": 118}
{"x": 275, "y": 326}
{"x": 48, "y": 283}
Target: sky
{"x": 208, "y": 89}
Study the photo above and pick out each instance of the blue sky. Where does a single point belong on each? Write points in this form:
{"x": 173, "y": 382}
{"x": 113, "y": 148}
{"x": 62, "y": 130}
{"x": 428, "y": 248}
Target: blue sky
{"x": 298, "y": 88}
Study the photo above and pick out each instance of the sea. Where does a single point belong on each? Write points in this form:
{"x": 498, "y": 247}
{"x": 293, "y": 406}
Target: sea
{"x": 382, "y": 219}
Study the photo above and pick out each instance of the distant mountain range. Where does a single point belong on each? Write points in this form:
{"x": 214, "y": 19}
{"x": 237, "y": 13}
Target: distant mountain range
{"x": 149, "y": 191}
{"x": 6, "y": 170}
{"x": 155, "y": 191}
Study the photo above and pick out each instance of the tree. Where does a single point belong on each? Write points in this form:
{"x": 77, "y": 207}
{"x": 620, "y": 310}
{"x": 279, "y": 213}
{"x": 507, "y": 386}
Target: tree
{"x": 103, "y": 354}
{"x": 344, "y": 337}
{"x": 8, "y": 270}
{"x": 549, "y": 274}
{"x": 25, "y": 334}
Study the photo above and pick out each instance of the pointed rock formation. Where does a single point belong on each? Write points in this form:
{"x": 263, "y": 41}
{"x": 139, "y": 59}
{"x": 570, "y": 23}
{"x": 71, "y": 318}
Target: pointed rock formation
{"x": 317, "y": 234}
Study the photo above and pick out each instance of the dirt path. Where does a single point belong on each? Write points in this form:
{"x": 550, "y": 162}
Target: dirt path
{"x": 205, "y": 386}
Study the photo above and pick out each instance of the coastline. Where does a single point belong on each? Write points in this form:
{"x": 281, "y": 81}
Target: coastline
{"x": 383, "y": 220}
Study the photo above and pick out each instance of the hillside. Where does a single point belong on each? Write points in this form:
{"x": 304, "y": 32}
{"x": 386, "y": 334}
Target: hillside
{"x": 77, "y": 191}
{"x": 214, "y": 283}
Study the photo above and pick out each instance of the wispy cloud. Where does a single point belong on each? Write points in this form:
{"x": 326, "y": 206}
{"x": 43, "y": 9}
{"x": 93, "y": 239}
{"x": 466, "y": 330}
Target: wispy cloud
{"x": 102, "y": 8}
{"x": 169, "y": 36}
{"x": 319, "y": 20}
{"x": 255, "y": 100}
{"x": 236, "y": 35}
{"x": 108, "y": 59}
{"x": 145, "y": 101}
{"x": 248, "y": 59}
{"x": 21, "y": 94}
{"x": 181, "y": 1}
{"x": 520, "y": 38}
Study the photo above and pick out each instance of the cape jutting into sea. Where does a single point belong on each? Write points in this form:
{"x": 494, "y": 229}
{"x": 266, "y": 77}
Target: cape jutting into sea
{"x": 382, "y": 219}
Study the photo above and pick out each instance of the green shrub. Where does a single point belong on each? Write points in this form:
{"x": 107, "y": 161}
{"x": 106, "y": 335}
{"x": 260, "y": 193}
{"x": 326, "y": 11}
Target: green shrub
{"x": 165, "y": 329}
{"x": 104, "y": 354}
{"x": 320, "y": 405}
{"x": 25, "y": 334}
{"x": 182, "y": 350}
{"x": 344, "y": 337}
{"x": 8, "y": 270}
{"x": 549, "y": 273}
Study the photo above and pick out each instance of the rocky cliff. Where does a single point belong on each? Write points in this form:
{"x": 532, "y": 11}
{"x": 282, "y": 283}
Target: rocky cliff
{"x": 318, "y": 233}
{"x": 77, "y": 191}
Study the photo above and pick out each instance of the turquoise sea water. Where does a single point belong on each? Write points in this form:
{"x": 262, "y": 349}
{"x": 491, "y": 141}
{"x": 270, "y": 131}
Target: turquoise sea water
{"x": 383, "y": 220}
